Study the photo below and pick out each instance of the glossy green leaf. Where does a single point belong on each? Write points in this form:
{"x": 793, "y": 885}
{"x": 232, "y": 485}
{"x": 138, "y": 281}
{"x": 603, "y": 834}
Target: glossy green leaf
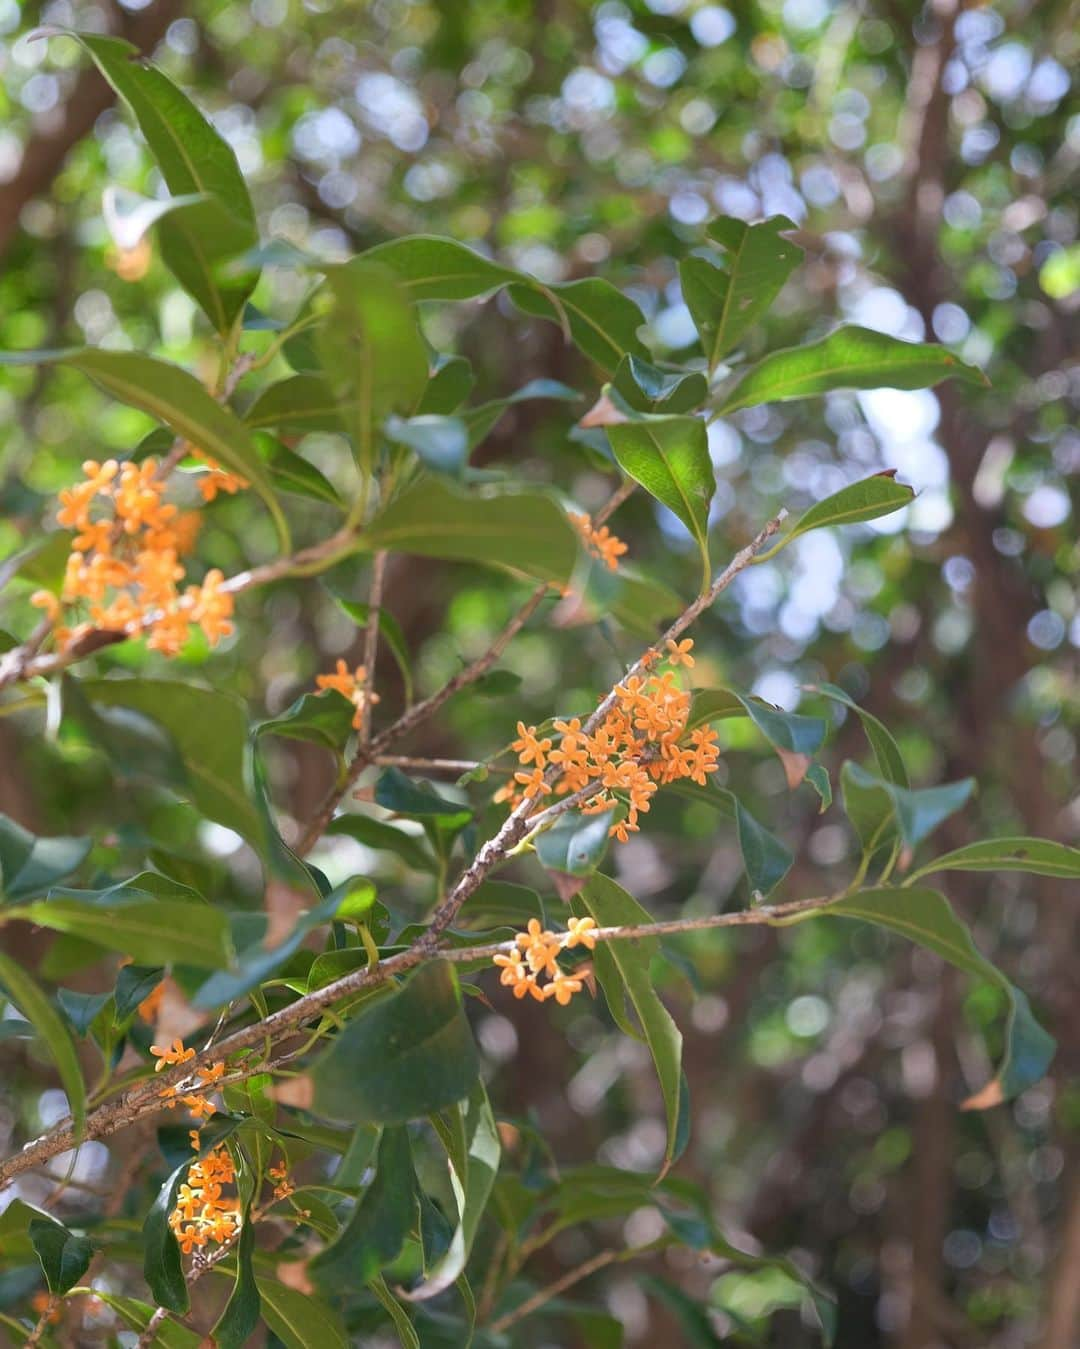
{"x": 603, "y": 322}
{"x": 576, "y": 843}
{"x": 134, "y": 983}
{"x": 371, "y": 351}
{"x": 404, "y": 1056}
{"x": 81, "y": 1009}
{"x": 299, "y": 403}
{"x": 379, "y": 1224}
{"x": 240, "y": 1319}
{"x": 406, "y": 1333}
{"x": 886, "y": 751}
{"x": 643, "y": 387}
{"x": 926, "y": 917}
{"x": 324, "y": 718}
{"x": 193, "y": 159}
{"x": 669, "y": 457}
{"x": 136, "y": 1316}
{"x": 175, "y": 397}
{"x": 623, "y": 970}
{"x": 868, "y": 806}
{"x": 849, "y": 358}
{"x": 868, "y": 499}
{"x": 136, "y": 924}
{"x": 523, "y": 531}
{"x": 428, "y": 267}
{"x": 918, "y": 812}
{"x": 418, "y": 799}
{"x": 300, "y": 1321}
{"x": 64, "y": 1256}
{"x": 1037, "y": 856}
{"x": 766, "y": 859}
{"x": 30, "y": 865}
{"x": 786, "y": 730}
{"x": 47, "y": 1022}
{"x": 384, "y": 837}
{"x": 440, "y": 443}
{"x": 291, "y": 472}
{"x": 728, "y": 293}
{"x": 209, "y": 728}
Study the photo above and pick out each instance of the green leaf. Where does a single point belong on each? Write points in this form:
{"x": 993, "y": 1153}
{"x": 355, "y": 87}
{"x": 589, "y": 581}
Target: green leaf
{"x": 240, "y": 1318}
{"x": 128, "y": 920}
{"x": 81, "y": 1009}
{"x": 644, "y": 387}
{"x": 136, "y": 1316}
{"x": 728, "y": 294}
{"x": 849, "y": 358}
{"x": 209, "y": 728}
{"x": 404, "y": 1056}
{"x": 385, "y": 838}
{"x": 174, "y": 397}
{"x": 371, "y": 351}
{"x": 669, "y": 457}
{"x": 868, "y": 806}
{"x": 30, "y": 865}
{"x": 440, "y": 443}
{"x": 926, "y": 917}
{"x": 379, "y": 1223}
{"x": 766, "y": 860}
{"x": 523, "y": 531}
{"x": 389, "y": 628}
{"x": 886, "y": 751}
{"x": 193, "y": 159}
{"x": 878, "y": 495}
{"x": 918, "y": 812}
{"x": 623, "y": 970}
{"x": 500, "y": 904}
{"x": 290, "y": 472}
{"x": 785, "y": 730}
{"x": 428, "y": 267}
{"x": 576, "y": 843}
{"x": 450, "y": 384}
{"x": 64, "y": 1257}
{"x": 603, "y": 322}
{"x": 324, "y": 718}
{"x": 1037, "y": 856}
{"x": 406, "y": 1334}
{"x": 299, "y": 403}
{"x": 480, "y": 420}
{"x": 43, "y": 1016}
{"x": 418, "y": 800}
{"x": 299, "y": 1321}
{"x": 134, "y": 983}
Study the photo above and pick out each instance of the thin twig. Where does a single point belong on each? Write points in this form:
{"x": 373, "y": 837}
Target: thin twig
{"x": 428, "y": 765}
{"x": 371, "y": 641}
{"x": 568, "y": 1280}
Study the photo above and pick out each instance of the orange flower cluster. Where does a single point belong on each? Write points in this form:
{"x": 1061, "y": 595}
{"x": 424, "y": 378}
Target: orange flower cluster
{"x": 350, "y": 686}
{"x": 125, "y": 561}
{"x": 600, "y": 542}
{"x": 639, "y": 746}
{"x": 217, "y": 479}
{"x": 191, "y": 1091}
{"x": 537, "y": 952}
{"x": 202, "y": 1213}
{"x": 283, "y": 1186}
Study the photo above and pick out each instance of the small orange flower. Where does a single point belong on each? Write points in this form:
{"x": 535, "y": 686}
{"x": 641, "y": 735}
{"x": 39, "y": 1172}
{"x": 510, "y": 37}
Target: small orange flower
{"x": 580, "y": 932}
{"x": 562, "y": 988}
{"x": 177, "y": 1054}
{"x": 679, "y": 653}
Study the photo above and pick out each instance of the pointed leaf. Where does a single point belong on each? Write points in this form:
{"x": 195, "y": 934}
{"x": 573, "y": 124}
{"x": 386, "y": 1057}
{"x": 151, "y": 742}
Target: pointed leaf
{"x": 866, "y": 500}
{"x": 240, "y": 1318}
{"x": 404, "y": 1056}
{"x": 64, "y": 1257}
{"x": 575, "y": 844}
{"x": 429, "y": 267}
{"x": 1037, "y": 856}
{"x": 384, "y": 837}
{"x": 30, "y": 865}
{"x": 480, "y": 420}
{"x": 726, "y": 297}
{"x": 441, "y": 443}
{"x": 849, "y": 358}
{"x": 300, "y": 1321}
{"x": 886, "y": 751}
{"x": 918, "y": 812}
{"x": 299, "y": 403}
{"x": 324, "y": 718}
{"x": 450, "y": 384}
{"x": 524, "y": 531}
{"x": 624, "y": 966}
{"x": 290, "y": 472}
{"x": 404, "y": 796}
{"x": 669, "y": 457}
{"x": 644, "y": 387}
{"x": 603, "y": 322}
{"x": 136, "y": 924}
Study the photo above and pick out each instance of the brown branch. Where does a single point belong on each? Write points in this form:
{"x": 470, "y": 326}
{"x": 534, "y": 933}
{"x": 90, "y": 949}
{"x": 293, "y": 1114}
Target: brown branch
{"x": 571, "y": 1277}
{"x": 371, "y": 641}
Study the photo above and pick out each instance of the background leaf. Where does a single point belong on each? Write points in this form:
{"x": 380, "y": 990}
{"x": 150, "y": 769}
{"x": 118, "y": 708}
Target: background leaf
{"x": 43, "y": 1016}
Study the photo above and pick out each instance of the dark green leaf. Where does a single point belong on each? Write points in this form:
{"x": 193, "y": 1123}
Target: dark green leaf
{"x": 728, "y": 294}
{"x": 450, "y": 384}
{"x": 785, "y": 730}
{"x": 299, "y": 403}
{"x": 136, "y": 1316}
{"x": 81, "y": 1009}
{"x": 576, "y": 843}
{"x": 1037, "y": 856}
{"x": 134, "y": 983}
{"x": 500, "y": 904}
{"x": 379, "y": 1224}
{"x": 669, "y": 457}
{"x": 240, "y": 1318}
{"x": 404, "y": 1056}
{"x": 623, "y": 969}
{"x": 523, "y": 531}
{"x": 428, "y": 267}
{"x": 603, "y": 322}
{"x": 384, "y": 837}
{"x": 43, "y": 1016}
{"x": 918, "y": 812}
{"x": 480, "y": 420}
{"x": 290, "y": 472}
{"x": 868, "y": 806}
{"x": 64, "y": 1256}
{"x": 766, "y": 859}
{"x": 406, "y": 1334}
{"x": 643, "y": 387}
{"x": 926, "y": 917}
{"x": 417, "y": 799}
{"x": 849, "y": 358}
{"x": 324, "y": 718}
{"x": 30, "y": 865}
{"x": 886, "y": 750}
{"x": 299, "y": 1321}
